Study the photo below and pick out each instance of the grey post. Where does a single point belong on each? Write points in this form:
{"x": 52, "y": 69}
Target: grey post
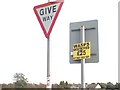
{"x": 82, "y": 61}
{"x": 48, "y": 59}
{"x": 118, "y": 42}
{"x": 48, "y": 62}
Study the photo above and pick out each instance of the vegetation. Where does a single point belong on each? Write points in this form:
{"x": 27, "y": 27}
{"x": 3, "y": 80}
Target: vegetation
{"x": 20, "y": 80}
{"x": 64, "y": 85}
{"x": 109, "y": 85}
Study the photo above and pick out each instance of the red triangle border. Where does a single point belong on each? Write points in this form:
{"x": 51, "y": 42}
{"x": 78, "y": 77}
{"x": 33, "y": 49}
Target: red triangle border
{"x": 53, "y": 22}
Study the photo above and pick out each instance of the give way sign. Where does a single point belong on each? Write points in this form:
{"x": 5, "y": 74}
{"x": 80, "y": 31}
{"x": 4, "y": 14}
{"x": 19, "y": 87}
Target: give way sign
{"x": 47, "y": 14}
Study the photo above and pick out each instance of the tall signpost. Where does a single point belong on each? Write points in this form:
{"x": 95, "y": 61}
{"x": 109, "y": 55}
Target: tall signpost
{"x": 82, "y": 61}
{"x": 47, "y": 14}
{"x": 84, "y": 44}
{"x": 118, "y": 42}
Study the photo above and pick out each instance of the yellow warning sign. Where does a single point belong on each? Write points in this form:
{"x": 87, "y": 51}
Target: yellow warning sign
{"x": 81, "y": 51}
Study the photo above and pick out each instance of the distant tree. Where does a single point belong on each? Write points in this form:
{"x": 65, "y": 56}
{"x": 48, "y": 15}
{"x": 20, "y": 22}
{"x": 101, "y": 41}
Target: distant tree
{"x": 20, "y": 80}
{"x": 110, "y": 85}
{"x": 67, "y": 86}
{"x": 117, "y": 85}
{"x": 103, "y": 85}
{"x": 64, "y": 85}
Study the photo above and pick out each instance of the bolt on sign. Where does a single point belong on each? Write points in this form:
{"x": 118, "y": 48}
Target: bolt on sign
{"x": 81, "y": 51}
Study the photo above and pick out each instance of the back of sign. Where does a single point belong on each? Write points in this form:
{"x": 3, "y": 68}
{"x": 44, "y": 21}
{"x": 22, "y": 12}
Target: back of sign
{"x": 91, "y": 35}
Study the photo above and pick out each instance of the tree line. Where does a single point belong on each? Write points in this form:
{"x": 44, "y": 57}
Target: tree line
{"x": 20, "y": 81}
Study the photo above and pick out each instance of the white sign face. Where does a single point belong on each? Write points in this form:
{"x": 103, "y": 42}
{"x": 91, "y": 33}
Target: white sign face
{"x": 47, "y": 15}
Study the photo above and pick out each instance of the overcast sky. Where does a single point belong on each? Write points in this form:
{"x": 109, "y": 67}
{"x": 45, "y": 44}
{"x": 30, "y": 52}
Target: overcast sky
{"x": 23, "y": 46}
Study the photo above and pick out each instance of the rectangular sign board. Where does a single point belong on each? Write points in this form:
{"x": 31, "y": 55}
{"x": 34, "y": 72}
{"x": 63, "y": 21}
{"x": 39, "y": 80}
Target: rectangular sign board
{"x": 81, "y": 51}
{"x": 91, "y": 35}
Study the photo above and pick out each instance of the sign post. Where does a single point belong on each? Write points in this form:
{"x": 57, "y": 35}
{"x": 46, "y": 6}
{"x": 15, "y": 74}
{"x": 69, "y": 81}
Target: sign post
{"x": 82, "y": 61}
{"x": 47, "y": 14}
{"x": 84, "y": 45}
{"x": 48, "y": 62}
{"x": 119, "y": 41}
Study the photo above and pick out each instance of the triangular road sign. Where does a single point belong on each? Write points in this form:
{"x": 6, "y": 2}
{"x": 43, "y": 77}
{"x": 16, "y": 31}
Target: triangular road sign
{"x": 47, "y": 14}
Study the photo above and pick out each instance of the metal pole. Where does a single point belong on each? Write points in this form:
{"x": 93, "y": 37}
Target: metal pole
{"x": 82, "y": 61}
{"x": 48, "y": 63}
